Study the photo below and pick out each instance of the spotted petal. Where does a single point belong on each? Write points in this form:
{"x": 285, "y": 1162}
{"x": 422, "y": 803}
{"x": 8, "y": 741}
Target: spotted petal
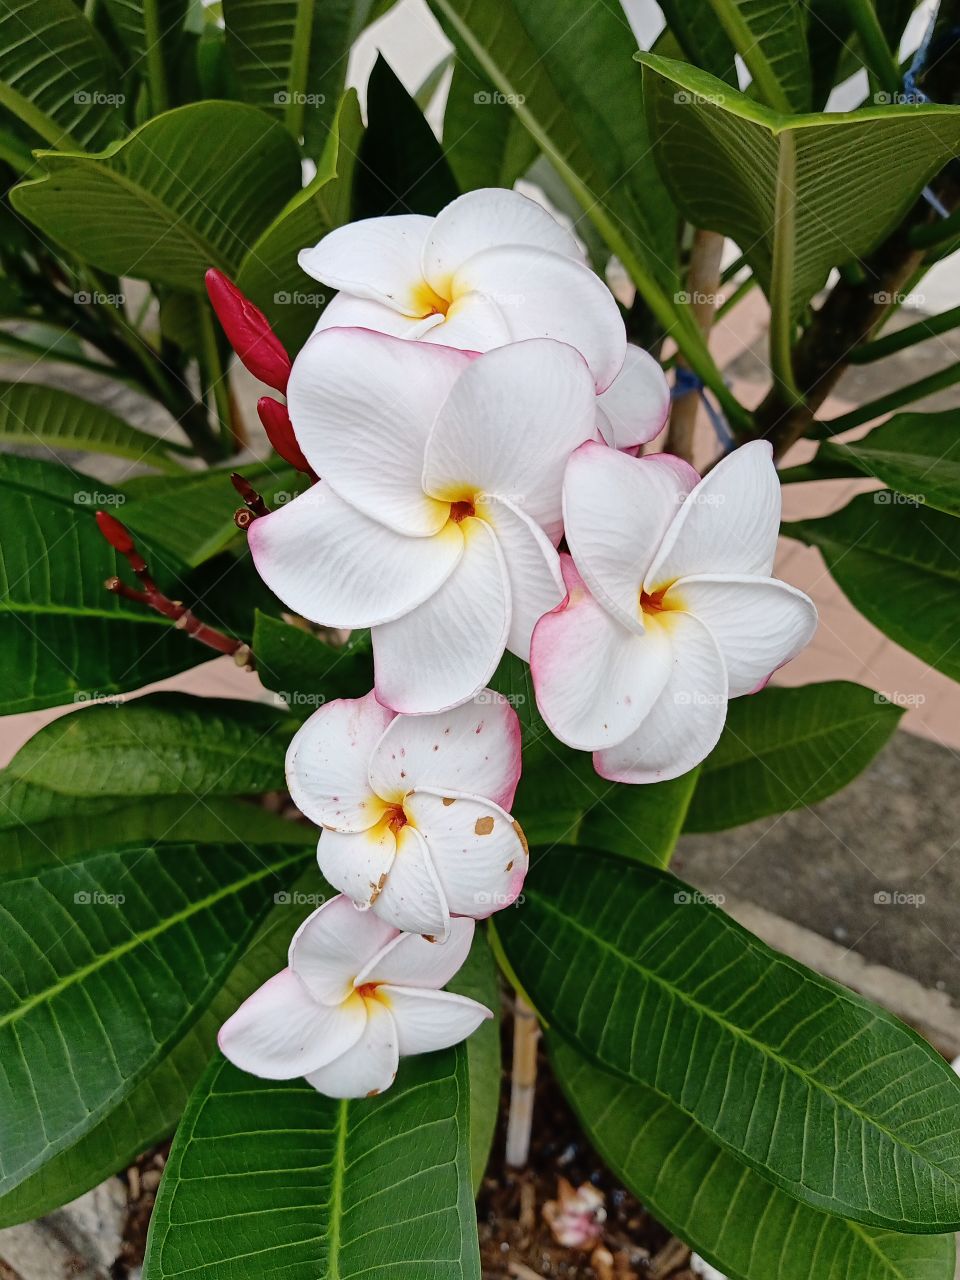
{"x": 369, "y": 1066}
{"x": 412, "y": 961}
{"x": 333, "y": 945}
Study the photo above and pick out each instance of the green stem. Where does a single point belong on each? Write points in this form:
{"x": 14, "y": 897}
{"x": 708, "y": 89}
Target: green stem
{"x": 873, "y": 43}
{"x": 156, "y": 72}
{"x": 907, "y": 337}
{"x": 215, "y": 376}
{"x": 934, "y": 233}
{"x": 741, "y": 291}
{"x": 781, "y": 276}
{"x": 888, "y": 403}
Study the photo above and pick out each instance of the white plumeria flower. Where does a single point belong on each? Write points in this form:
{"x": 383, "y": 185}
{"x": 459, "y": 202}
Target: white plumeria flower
{"x": 439, "y": 510}
{"x": 671, "y": 608}
{"x": 636, "y": 405}
{"x": 491, "y": 268}
{"x": 415, "y": 809}
{"x": 357, "y": 996}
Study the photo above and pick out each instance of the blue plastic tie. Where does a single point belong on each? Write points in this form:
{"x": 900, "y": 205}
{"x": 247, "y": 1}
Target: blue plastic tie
{"x": 686, "y": 382}
{"x": 913, "y": 93}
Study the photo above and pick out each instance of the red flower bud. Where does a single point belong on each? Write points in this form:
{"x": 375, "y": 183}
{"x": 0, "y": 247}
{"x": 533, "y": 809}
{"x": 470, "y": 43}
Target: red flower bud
{"x": 249, "y": 332}
{"x": 115, "y": 533}
{"x": 279, "y": 429}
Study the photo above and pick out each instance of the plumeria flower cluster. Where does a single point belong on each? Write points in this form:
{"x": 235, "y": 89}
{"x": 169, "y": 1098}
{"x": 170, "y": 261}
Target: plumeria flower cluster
{"x": 471, "y": 415}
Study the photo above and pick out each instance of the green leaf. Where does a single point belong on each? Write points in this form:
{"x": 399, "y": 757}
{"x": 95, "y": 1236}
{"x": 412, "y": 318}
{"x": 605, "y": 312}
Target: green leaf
{"x": 108, "y": 961}
{"x": 57, "y": 75}
{"x": 732, "y": 1217}
{"x": 478, "y": 979}
{"x": 160, "y": 745}
{"x": 800, "y": 194}
{"x": 306, "y": 671}
{"x": 821, "y": 1093}
{"x": 402, "y": 168}
{"x": 770, "y": 37}
{"x": 63, "y": 637}
{"x": 188, "y": 190}
{"x": 270, "y": 274}
{"x": 290, "y": 58}
{"x": 270, "y": 1177}
{"x": 899, "y": 564}
{"x": 917, "y": 454}
{"x": 784, "y": 749}
{"x": 149, "y": 30}
{"x": 483, "y": 138}
{"x": 32, "y": 414}
{"x": 191, "y": 516}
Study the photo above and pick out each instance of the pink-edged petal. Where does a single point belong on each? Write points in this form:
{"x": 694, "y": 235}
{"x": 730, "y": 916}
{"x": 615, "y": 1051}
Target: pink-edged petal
{"x": 412, "y": 961}
{"x": 474, "y": 747}
{"x": 758, "y": 623}
{"x": 370, "y": 1065}
{"x": 595, "y": 680}
{"x": 345, "y": 311}
{"x": 362, "y": 405}
{"x": 430, "y": 1020}
{"x": 636, "y": 405}
{"x": 443, "y": 652}
{"x": 728, "y": 524}
{"x": 484, "y": 219}
{"x": 686, "y": 720}
{"x": 478, "y": 850}
{"x": 377, "y": 258}
{"x": 533, "y": 567}
{"x": 332, "y": 946}
{"x": 281, "y": 1031}
{"x": 508, "y": 426}
{"x": 412, "y": 897}
{"x": 357, "y": 863}
{"x": 328, "y": 760}
{"x": 332, "y": 564}
{"x": 547, "y": 295}
{"x": 473, "y": 323}
{"x": 616, "y": 510}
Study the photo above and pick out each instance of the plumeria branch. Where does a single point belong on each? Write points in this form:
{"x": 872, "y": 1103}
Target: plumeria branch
{"x": 183, "y": 618}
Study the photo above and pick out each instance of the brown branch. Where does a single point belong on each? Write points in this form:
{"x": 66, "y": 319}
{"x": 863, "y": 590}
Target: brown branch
{"x": 703, "y": 283}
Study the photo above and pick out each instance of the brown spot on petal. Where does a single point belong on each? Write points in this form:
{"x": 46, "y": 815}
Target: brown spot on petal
{"x": 521, "y": 837}
{"x": 377, "y": 888}
{"x": 428, "y": 937}
{"x": 483, "y": 826}
{"x": 449, "y": 800}
{"x": 373, "y": 1093}
{"x": 509, "y": 866}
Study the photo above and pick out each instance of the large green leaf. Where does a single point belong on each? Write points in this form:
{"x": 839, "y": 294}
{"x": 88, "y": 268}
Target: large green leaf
{"x": 188, "y": 190}
{"x": 270, "y": 274}
{"x": 306, "y": 671}
{"x": 899, "y": 564}
{"x": 32, "y": 414}
{"x": 160, "y": 745}
{"x": 151, "y": 1110}
{"x": 799, "y": 194}
{"x": 290, "y": 57}
{"x": 483, "y": 138}
{"x": 63, "y": 637}
{"x": 107, "y": 962}
{"x": 783, "y": 749}
{"x": 770, "y": 37}
{"x": 269, "y": 1178}
{"x": 478, "y": 979}
{"x": 917, "y": 454}
{"x": 57, "y": 75}
{"x": 734, "y": 1219}
{"x": 150, "y": 32}
{"x": 821, "y": 1093}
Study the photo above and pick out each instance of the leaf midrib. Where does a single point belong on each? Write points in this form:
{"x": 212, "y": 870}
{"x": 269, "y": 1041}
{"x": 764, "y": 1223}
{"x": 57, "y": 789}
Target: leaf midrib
{"x": 785, "y": 743}
{"x": 827, "y": 541}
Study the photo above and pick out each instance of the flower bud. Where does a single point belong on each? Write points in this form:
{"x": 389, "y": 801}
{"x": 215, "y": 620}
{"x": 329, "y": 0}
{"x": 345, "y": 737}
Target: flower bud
{"x": 115, "y": 533}
{"x": 249, "y": 332}
{"x": 279, "y": 429}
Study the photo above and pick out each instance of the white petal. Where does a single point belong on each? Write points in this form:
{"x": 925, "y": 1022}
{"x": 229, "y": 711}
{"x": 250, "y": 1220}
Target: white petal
{"x": 332, "y": 564}
{"x": 616, "y": 510}
{"x": 483, "y": 219}
{"x": 636, "y": 405}
{"x": 728, "y": 524}
{"x": 333, "y": 945}
{"x": 473, "y": 323}
{"x": 357, "y": 863}
{"x": 370, "y": 1066}
{"x": 412, "y": 961}
{"x": 362, "y": 405}
{"x": 546, "y": 295}
{"x": 430, "y": 1020}
{"x": 687, "y": 718}
{"x": 376, "y": 258}
{"x": 477, "y": 849}
{"x": 282, "y": 1032}
{"x": 412, "y": 898}
{"x": 508, "y": 426}
{"x": 595, "y": 680}
{"x": 759, "y": 623}
{"x": 474, "y": 747}
{"x": 533, "y": 567}
{"x": 443, "y": 652}
{"x": 345, "y": 311}
{"x": 328, "y": 761}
